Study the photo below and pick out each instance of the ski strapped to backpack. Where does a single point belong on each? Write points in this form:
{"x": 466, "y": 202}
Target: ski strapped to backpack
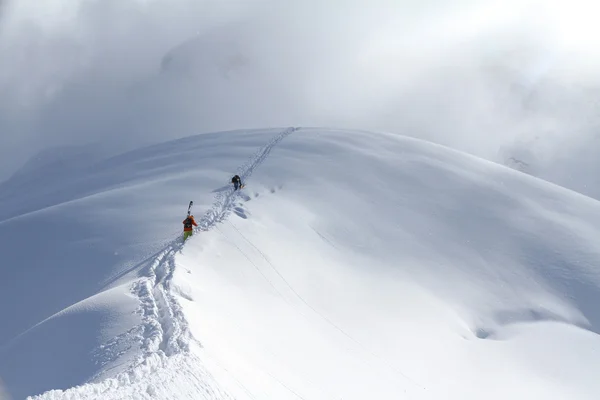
{"x": 188, "y": 222}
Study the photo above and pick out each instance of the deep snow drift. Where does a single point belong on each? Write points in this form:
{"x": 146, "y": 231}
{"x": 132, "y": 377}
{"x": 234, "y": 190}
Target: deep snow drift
{"x": 354, "y": 265}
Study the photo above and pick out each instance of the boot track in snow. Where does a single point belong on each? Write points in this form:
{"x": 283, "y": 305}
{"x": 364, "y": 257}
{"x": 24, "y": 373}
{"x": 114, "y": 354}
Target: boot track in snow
{"x": 165, "y": 326}
{"x": 166, "y": 330}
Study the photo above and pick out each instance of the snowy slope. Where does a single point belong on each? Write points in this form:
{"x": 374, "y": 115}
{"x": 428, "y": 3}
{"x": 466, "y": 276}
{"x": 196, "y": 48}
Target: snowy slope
{"x": 354, "y": 265}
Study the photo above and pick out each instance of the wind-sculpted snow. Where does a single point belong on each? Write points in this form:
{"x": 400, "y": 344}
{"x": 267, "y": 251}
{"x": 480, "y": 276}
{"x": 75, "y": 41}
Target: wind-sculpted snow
{"x": 353, "y": 265}
{"x": 106, "y": 207}
{"x": 164, "y": 330}
{"x": 372, "y": 266}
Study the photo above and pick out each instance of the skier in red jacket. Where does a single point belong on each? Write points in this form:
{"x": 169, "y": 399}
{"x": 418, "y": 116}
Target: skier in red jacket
{"x": 188, "y": 227}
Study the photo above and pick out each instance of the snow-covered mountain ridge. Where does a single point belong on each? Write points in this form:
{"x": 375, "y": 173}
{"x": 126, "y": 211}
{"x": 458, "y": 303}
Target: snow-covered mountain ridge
{"x": 353, "y": 265}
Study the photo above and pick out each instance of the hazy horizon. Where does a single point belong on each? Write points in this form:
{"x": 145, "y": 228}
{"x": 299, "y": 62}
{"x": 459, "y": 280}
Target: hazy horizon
{"x": 517, "y": 79}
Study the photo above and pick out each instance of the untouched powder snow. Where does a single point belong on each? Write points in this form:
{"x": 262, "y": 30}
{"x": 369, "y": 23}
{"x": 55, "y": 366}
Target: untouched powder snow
{"x": 354, "y": 265}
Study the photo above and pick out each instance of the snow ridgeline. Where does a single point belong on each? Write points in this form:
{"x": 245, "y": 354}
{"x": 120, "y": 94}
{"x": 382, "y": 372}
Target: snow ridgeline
{"x": 166, "y": 357}
{"x": 355, "y": 265}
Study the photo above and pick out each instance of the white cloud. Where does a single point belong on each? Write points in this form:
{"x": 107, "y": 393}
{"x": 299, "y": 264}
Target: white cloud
{"x": 481, "y": 76}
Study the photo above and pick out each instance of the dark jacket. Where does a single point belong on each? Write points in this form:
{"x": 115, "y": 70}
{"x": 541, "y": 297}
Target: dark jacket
{"x": 189, "y": 223}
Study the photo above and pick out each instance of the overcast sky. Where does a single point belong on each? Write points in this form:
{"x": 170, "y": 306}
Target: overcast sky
{"x": 497, "y": 79}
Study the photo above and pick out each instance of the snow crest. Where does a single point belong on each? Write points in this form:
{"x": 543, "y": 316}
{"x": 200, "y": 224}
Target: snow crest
{"x": 164, "y": 330}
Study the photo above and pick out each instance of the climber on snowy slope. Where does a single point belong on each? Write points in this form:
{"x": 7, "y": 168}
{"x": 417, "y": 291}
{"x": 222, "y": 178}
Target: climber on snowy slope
{"x": 237, "y": 182}
{"x": 188, "y": 227}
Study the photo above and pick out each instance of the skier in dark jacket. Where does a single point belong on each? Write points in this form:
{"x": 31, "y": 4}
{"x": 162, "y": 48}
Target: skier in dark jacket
{"x": 237, "y": 182}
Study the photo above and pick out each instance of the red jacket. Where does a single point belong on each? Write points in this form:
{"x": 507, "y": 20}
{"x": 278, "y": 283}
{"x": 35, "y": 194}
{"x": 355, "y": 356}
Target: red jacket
{"x": 188, "y": 227}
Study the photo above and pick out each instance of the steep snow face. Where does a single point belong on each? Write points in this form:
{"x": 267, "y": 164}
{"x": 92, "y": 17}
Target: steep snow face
{"x": 81, "y": 257}
{"x": 361, "y": 265}
{"x": 353, "y": 265}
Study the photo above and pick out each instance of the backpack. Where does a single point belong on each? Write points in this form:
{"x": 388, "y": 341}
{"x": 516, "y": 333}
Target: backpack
{"x": 187, "y": 223}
